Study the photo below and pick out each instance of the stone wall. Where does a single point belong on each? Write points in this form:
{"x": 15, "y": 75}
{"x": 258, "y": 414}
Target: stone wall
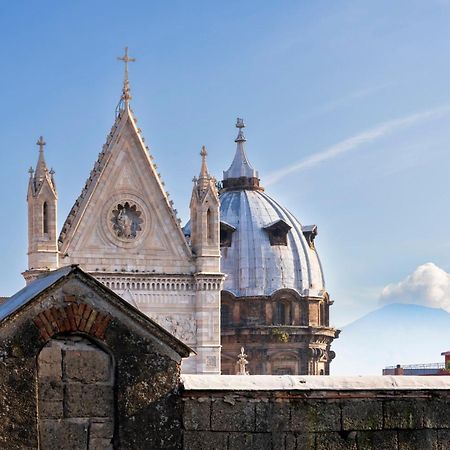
{"x": 324, "y": 417}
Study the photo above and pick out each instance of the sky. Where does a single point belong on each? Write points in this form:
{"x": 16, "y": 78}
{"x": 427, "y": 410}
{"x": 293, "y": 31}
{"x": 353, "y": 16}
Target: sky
{"x": 347, "y": 106}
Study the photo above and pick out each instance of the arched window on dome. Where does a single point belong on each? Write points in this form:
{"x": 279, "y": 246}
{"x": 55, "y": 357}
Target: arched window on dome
{"x": 282, "y": 313}
{"x": 226, "y": 234}
{"x": 226, "y": 315}
{"x": 278, "y": 232}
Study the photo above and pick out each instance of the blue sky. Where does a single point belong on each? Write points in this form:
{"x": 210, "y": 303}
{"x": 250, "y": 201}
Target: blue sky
{"x": 347, "y": 106}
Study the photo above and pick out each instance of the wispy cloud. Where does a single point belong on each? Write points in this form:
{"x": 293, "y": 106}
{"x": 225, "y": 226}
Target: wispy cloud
{"x": 347, "y": 99}
{"x": 357, "y": 141}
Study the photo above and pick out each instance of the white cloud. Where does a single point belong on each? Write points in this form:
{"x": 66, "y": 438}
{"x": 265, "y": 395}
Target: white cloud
{"x": 356, "y": 141}
{"x": 428, "y": 285}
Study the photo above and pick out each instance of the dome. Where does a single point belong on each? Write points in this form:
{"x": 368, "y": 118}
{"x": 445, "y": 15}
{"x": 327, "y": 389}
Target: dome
{"x": 264, "y": 247}
{"x": 255, "y": 265}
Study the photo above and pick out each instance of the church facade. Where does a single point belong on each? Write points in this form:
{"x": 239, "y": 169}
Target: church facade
{"x": 243, "y": 271}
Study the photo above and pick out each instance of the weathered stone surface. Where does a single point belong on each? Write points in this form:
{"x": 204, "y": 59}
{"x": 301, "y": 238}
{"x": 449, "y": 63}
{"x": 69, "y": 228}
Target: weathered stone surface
{"x": 443, "y": 439}
{"x": 50, "y": 363}
{"x": 104, "y": 429}
{"x": 437, "y": 413}
{"x": 377, "y": 440}
{"x": 362, "y": 415}
{"x": 403, "y": 414}
{"x": 418, "y": 440}
{"x": 260, "y": 441}
{"x": 49, "y": 409}
{"x": 230, "y": 414}
{"x": 67, "y": 435}
{"x": 100, "y": 444}
{"x": 272, "y": 416}
{"x": 315, "y": 415}
{"x": 87, "y": 365}
{"x": 303, "y": 441}
{"x": 89, "y": 400}
{"x": 205, "y": 440}
{"x": 197, "y": 414}
{"x": 336, "y": 441}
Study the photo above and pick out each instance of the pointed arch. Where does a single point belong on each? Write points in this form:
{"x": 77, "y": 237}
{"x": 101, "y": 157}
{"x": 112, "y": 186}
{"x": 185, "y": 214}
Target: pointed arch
{"x": 45, "y": 218}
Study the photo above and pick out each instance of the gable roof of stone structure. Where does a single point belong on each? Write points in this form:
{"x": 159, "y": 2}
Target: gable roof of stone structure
{"x": 44, "y": 284}
{"x": 124, "y": 135}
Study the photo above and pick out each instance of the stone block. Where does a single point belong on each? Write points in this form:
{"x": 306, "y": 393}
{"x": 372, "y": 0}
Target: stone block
{"x": 272, "y": 416}
{"x": 377, "y": 440}
{"x": 100, "y": 444}
{"x": 232, "y": 415}
{"x": 89, "y": 400}
{"x": 335, "y": 441}
{"x": 443, "y": 439}
{"x": 205, "y": 440}
{"x": 401, "y": 414}
{"x": 102, "y": 429}
{"x": 418, "y": 440}
{"x": 436, "y": 413}
{"x": 197, "y": 414}
{"x": 51, "y": 390}
{"x": 315, "y": 415}
{"x": 304, "y": 441}
{"x": 362, "y": 415}
{"x": 49, "y": 363}
{"x": 260, "y": 441}
{"x": 87, "y": 366}
{"x": 65, "y": 434}
{"x": 51, "y": 409}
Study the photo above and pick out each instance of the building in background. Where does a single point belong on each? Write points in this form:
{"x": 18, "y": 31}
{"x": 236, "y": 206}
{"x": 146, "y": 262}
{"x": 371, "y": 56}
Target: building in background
{"x": 421, "y": 369}
{"x": 124, "y": 231}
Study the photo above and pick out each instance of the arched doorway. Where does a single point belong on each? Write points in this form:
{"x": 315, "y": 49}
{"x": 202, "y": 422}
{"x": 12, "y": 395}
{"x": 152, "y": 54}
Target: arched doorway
{"x": 75, "y": 395}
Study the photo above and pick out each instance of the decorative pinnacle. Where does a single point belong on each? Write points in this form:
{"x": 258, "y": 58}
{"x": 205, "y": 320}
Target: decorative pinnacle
{"x": 240, "y": 125}
{"x": 204, "y": 168}
{"x": 31, "y": 171}
{"x": 126, "y": 95}
{"x": 41, "y": 144}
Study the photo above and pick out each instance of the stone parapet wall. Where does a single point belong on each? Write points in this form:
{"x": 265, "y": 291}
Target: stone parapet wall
{"x": 393, "y": 414}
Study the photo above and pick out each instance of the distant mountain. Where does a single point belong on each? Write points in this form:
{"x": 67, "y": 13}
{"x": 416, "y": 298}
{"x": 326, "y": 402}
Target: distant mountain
{"x": 393, "y": 334}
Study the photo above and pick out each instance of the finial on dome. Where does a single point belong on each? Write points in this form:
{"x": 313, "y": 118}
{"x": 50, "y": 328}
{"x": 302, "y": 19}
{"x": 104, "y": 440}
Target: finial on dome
{"x": 240, "y": 125}
{"x": 126, "y": 94}
{"x": 240, "y": 174}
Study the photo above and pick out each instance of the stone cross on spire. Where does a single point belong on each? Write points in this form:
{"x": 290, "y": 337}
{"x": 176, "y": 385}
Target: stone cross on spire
{"x": 41, "y": 143}
{"x": 126, "y": 96}
{"x": 240, "y": 125}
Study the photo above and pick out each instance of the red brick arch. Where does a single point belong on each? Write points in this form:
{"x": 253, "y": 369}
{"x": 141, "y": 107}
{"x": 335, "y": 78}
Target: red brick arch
{"x": 74, "y": 316}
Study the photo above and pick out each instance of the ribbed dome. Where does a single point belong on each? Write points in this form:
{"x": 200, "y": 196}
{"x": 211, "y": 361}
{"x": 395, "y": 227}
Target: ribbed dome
{"x": 255, "y": 267}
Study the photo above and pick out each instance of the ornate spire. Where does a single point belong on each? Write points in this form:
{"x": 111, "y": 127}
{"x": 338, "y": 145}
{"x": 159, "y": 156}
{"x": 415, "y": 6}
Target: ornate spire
{"x": 41, "y": 167}
{"x": 204, "y": 177}
{"x": 240, "y": 174}
{"x": 126, "y": 94}
{"x": 204, "y": 169}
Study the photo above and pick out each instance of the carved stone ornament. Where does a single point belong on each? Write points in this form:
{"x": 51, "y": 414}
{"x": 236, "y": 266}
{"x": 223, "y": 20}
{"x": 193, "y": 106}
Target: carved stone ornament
{"x": 126, "y": 220}
{"x": 181, "y": 326}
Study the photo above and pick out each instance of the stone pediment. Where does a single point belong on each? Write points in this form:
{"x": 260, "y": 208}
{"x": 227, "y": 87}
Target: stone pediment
{"x": 69, "y": 300}
{"x": 124, "y": 214}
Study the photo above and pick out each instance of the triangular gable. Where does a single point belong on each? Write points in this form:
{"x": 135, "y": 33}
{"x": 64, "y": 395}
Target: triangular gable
{"x": 47, "y": 283}
{"x": 125, "y": 178}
